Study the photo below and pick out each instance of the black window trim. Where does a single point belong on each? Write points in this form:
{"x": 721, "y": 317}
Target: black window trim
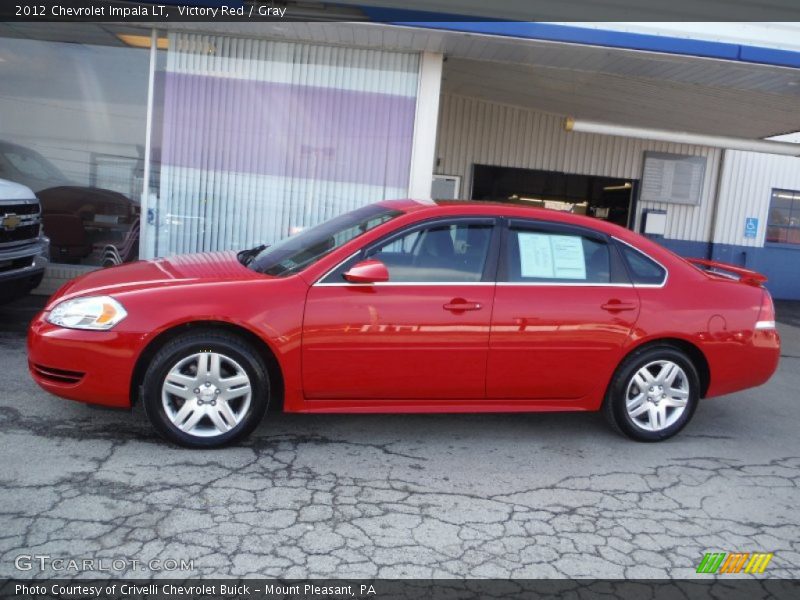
{"x": 489, "y": 270}
{"x": 617, "y": 265}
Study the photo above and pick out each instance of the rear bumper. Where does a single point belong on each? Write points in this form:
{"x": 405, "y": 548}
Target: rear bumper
{"x": 94, "y": 367}
{"x": 739, "y": 365}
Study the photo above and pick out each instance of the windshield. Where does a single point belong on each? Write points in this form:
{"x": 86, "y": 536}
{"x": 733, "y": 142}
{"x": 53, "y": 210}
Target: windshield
{"x": 294, "y": 253}
{"x": 31, "y": 164}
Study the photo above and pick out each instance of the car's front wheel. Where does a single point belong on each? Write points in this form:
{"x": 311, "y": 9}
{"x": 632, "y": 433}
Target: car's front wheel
{"x": 205, "y": 389}
{"x": 653, "y": 394}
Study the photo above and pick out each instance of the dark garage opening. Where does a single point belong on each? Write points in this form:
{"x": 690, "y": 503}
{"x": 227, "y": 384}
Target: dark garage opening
{"x": 607, "y": 198}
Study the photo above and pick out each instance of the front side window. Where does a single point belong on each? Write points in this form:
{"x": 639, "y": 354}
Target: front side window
{"x": 537, "y": 256}
{"x": 296, "y": 252}
{"x": 783, "y": 225}
{"x": 441, "y": 252}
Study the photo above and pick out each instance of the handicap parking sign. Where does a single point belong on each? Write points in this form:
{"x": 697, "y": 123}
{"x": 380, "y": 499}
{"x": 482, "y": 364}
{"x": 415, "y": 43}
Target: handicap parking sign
{"x": 750, "y": 227}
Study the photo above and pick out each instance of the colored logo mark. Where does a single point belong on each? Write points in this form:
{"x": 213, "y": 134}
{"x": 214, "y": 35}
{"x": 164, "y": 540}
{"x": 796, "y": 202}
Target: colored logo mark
{"x": 734, "y": 562}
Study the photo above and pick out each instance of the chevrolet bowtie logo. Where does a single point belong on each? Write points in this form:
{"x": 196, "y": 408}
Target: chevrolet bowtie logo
{"x": 10, "y": 222}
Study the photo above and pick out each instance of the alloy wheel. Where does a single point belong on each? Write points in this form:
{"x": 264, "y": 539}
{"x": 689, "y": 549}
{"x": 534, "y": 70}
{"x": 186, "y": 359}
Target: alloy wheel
{"x": 206, "y": 394}
{"x": 657, "y": 395}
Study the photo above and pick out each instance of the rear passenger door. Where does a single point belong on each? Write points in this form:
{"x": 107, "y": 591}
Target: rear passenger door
{"x": 564, "y": 310}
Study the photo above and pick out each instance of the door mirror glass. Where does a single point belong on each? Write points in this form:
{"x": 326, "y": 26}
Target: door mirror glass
{"x": 367, "y": 271}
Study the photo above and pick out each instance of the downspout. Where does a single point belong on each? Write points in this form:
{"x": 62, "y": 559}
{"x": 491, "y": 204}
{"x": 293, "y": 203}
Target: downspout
{"x": 715, "y": 207}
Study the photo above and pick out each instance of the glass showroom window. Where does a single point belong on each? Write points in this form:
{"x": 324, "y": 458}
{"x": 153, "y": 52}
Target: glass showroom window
{"x": 784, "y": 217}
{"x": 254, "y": 140}
{"x": 73, "y": 130}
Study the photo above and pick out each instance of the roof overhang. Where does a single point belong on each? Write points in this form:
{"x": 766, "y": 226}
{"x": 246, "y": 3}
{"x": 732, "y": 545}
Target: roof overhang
{"x": 629, "y": 86}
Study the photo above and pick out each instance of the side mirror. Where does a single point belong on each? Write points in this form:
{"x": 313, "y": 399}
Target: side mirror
{"x": 367, "y": 271}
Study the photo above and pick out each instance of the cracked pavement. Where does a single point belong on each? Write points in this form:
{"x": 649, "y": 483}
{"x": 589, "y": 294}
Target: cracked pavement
{"x": 445, "y": 496}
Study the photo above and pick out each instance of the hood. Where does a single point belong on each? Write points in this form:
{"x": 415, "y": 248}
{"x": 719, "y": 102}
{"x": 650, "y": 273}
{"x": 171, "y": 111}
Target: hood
{"x": 187, "y": 269}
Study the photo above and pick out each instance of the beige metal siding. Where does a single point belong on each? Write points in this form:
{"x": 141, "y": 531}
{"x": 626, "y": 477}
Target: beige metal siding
{"x": 745, "y": 189}
{"x": 474, "y": 131}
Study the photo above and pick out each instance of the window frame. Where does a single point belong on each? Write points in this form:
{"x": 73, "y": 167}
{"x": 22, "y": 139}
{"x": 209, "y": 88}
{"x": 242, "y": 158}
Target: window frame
{"x": 488, "y": 277}
{"x": 629, "y": 269}
{"x": 772, "y": 193}
{"x": 618, "y": 275}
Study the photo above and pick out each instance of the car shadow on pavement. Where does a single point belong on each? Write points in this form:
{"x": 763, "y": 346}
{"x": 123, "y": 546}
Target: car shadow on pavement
{"x": 788, "y": 312}
{"x": 16, "y": 316}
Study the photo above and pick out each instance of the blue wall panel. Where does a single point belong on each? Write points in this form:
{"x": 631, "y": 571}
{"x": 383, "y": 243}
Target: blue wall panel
{"x": 780, "y": 263}
{"x": 582, "y": 35}
{"x": 683, "y": 247}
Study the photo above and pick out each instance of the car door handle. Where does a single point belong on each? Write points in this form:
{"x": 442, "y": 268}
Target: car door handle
{"x": 618, "y": 306}
{"x": 459, "y": 304}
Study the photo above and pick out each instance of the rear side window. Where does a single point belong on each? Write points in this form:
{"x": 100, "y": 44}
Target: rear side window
{"x": 643, "y": 270}
{"x": 545, "y": 256}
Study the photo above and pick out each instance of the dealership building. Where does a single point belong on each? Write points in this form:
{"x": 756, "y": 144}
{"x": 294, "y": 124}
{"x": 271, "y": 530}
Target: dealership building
{"x": 146, "y": 141}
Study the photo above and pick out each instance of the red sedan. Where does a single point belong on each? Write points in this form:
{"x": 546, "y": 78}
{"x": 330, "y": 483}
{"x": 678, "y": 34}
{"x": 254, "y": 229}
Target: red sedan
{"x": 406, "y": 306}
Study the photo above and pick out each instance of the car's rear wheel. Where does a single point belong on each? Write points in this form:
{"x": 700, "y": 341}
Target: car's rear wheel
{"x": 653, "y": 394}
{"x": 205, "y": 389}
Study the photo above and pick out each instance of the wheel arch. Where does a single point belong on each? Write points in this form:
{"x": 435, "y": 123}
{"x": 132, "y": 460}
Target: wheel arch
{"x": 164, "y": 337}
{"x": 693, "y": 351}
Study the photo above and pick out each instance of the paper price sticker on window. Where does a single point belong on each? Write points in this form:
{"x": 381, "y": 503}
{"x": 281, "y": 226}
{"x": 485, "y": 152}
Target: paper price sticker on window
{"x": 546, "y": 256}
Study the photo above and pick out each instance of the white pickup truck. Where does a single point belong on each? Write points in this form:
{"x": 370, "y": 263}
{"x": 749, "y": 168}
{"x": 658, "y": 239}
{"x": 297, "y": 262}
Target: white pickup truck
{"x": 24, "y": 249}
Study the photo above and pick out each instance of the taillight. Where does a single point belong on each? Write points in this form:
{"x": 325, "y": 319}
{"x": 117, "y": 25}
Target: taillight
{"x": 766, "y": 315}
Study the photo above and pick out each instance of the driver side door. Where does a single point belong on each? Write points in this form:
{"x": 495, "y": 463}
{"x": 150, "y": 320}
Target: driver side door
{"x": 423, "y": 334}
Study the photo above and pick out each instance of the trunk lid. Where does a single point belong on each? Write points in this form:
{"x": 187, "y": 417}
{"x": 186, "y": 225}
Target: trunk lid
{"x": 728, "y": 271}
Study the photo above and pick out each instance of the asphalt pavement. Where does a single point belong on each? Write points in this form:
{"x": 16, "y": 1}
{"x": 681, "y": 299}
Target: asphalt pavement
{"x": 540, "y": 495}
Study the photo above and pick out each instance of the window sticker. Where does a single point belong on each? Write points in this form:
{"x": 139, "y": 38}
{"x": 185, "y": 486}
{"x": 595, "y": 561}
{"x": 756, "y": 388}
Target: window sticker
{"x": 535, "y": 255}
{"x": 546, "y": 256}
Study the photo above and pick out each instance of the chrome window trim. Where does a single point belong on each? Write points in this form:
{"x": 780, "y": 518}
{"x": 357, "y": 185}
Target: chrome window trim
{"x": 482, "y": 283}
{"x": 564, "y": 284}
{"x": 407, "y": 283}
{"x": 643, "y": 253}
{"x": 318, "y": 282}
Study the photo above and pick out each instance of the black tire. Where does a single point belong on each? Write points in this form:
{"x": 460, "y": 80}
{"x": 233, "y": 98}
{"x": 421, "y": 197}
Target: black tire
{"x": 205, "y": 341}
{"x": 614, "y": 405}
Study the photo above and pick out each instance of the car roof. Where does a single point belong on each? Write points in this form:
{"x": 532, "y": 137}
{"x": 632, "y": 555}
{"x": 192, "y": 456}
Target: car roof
{"x": 503, "y": 209}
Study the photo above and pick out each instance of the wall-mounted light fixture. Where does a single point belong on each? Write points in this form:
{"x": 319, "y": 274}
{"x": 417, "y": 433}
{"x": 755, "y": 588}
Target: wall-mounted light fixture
{"x": 616, "y": 188}
{"x": 142, "y": 41}
{"x": 682, "y": 137}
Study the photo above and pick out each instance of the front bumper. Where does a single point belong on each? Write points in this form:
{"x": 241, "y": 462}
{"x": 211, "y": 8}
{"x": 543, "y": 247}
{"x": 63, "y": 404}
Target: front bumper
{"x": 94, "y": 367}
{"x": 35, "y": 254}
{"x": 18, "y": 282}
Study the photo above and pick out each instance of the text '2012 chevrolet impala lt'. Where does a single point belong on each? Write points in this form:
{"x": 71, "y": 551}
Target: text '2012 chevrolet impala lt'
{"x": 406, "y": 306}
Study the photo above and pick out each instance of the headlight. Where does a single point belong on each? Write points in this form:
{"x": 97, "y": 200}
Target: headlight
{"x": 92, "y": 312}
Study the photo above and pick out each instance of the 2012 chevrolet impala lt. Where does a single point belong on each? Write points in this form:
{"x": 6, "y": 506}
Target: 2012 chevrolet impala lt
{"x": 407, "y": 306}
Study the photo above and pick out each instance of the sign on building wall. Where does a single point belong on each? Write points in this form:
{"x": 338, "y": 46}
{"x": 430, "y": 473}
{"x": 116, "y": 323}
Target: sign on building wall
{"x": 673, "y": 178}
{"x": 751, "y": 227}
